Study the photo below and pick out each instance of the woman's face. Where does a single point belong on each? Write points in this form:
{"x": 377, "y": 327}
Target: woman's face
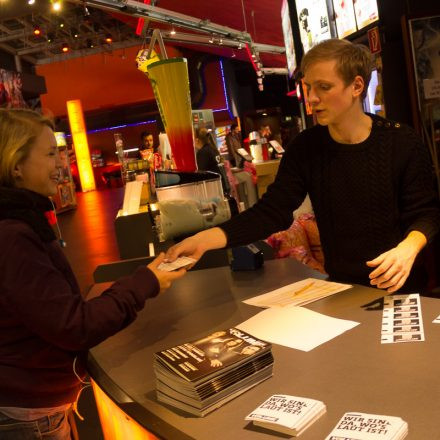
{"x": 40, "y": 171}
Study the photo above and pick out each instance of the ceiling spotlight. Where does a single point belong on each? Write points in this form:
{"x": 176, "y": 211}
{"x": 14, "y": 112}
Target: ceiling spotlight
{"x": 50, "y": 37}
{"x": 37, "y": 30}
{"x": 75, "y": 33}
{"x": 56, "y": 5}
{"x": 31, "y": 2}
{"x": 240, "y": 45}
{"x": 86, "y": 11}
{"x": 211, "y": 40}
{"x": 173, "y": 32}
{"x": 65, "y": 47}
{"x": 221, "y": 41}
{"x": 89, "y": 44}
{"x": 108, "y": 39}
{"x": 61, "y": 24}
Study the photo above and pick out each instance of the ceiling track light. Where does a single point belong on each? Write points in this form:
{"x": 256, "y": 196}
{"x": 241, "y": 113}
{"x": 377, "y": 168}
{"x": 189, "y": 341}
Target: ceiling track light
{"x": 108, "y": 39}
{"x": 65, "y": 47}
{"x": 37, "y": 30}
{"x": 56, "y": 5}
{"x": 86, "y": 10}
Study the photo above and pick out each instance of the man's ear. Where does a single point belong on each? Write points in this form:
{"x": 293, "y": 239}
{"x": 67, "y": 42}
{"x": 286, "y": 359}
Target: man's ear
{"x": 358, "y": 86}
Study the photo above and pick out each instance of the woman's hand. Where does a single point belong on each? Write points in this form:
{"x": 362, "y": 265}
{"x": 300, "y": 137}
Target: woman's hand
{"x": 394, "y": 266}
{"x": 165, "y": 278}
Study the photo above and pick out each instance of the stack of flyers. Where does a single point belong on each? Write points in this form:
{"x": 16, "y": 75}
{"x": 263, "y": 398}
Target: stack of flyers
{"x": 361, "y": 426}
{"x": 402, "y": 319}
{"x": 287, "y": 414}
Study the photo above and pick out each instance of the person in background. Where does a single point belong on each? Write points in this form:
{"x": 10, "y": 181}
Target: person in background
{"x": 208, "y": 157}
{"x": 46, "y": 326}
{"x": 233, "y": 143}
{"x": 369, "y": 181}
{"x": 147, "y": 145}
{"x": 265, "y": 133}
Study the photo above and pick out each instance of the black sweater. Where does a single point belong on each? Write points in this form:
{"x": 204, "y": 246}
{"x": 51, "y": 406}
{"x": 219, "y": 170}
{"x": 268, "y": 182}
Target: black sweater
{"x": 367, "y": 197}
{"x": 44, "y": 322}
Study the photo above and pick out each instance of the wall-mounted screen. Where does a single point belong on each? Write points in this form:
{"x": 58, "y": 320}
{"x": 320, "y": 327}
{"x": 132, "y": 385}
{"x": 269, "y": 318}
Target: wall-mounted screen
{"x": 366, "y": 12}
{"x": 344, "y": 17}
{"x": 313, "y": 22}
{"x": 288, "y": 38}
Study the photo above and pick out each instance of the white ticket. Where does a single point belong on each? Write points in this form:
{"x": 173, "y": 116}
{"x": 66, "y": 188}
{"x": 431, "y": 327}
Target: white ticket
{"x": 176, "y": 264}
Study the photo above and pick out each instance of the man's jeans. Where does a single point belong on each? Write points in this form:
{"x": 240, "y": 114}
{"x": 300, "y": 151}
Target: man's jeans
{"x": 54, "y": 427}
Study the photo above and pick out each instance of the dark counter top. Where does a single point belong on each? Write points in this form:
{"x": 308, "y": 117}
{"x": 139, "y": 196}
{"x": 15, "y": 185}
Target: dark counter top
{"x": 353, "y": 372}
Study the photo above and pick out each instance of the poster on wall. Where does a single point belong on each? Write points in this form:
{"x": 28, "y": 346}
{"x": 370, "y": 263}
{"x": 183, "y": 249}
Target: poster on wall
{"x": 366, "y": 12}
{"x": 344, "y": 17}
{"x": 313, "y": 22}
{"x": 288, "y": 38}
{"x": 10, "y": 90}
{"x": 425, "y": 45}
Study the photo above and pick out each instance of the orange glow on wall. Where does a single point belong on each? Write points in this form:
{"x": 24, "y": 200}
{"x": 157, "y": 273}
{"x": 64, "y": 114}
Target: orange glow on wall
{"x": 115, "y": 424}
{"x": 86, "y": 78}
{"x": 79, "y": 136}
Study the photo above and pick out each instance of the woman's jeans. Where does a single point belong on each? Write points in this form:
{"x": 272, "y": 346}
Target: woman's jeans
{"x": 54, "y": 427}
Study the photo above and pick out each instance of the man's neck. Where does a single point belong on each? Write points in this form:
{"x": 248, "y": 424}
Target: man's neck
{"x": 353, "y": 129}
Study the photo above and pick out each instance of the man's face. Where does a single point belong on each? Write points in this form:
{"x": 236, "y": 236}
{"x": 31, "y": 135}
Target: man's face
{"x": 236, "y": 130}
{"x": 148, "y": 141}
{"x": 331, "y": 99}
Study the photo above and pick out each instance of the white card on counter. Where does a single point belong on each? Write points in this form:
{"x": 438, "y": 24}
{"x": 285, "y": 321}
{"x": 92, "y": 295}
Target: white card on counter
{"x": 176, "y": 264}
{"x": 295, "y": 327}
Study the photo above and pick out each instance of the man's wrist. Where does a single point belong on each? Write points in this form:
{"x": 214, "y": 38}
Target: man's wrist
{"x": 414, "y": 241}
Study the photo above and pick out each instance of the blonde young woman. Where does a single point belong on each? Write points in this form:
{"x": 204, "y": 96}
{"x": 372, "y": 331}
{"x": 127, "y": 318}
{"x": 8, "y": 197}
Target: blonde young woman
{"x": 46, "y": 326}
{"x": 369, "y": 181}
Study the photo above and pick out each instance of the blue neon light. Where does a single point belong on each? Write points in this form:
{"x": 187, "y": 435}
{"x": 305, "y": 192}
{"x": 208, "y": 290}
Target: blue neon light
{"x": 115, "y": 127}
{"x": 224, "y": 92}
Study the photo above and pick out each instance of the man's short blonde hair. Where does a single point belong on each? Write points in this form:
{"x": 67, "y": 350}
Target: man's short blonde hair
{"x": 351, "y": 60}
{"x": 19, "y": 129}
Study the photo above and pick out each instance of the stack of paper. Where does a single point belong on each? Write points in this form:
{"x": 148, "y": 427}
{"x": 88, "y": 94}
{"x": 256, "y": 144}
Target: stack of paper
{"x": 200, "y": 376}
{"x": 402, "y": 319}
{"x": 297, "y": 294}
{"x": 361, "y": 426}
{"x": 287, "y": 414}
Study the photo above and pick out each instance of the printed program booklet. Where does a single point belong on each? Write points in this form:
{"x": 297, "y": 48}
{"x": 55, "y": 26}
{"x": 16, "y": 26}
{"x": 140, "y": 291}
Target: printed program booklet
{"x": 361, "y": 426}
{"x": 287, "y": 414}
{"x": 200, "y": 376}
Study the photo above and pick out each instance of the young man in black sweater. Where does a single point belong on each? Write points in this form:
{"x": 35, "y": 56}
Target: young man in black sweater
{"x": 369, "y": 181}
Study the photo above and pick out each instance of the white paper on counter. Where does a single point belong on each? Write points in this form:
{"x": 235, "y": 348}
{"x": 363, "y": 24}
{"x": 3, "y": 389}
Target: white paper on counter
{"x": 295, "y": 327}
{"x": 297, "y": 294}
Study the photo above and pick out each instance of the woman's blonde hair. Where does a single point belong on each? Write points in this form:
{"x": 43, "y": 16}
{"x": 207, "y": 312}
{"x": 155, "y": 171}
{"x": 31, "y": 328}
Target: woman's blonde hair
{"x": 19, "y": 129}
{"x": 351, "y": 60}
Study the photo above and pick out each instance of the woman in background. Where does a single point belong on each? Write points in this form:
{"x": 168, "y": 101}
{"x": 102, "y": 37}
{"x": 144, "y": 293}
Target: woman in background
{"x": 46, "y": 326}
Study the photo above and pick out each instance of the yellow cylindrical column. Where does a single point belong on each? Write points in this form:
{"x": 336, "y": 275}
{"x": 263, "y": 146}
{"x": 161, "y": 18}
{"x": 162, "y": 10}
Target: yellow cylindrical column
{"x": 79, "y": 136}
